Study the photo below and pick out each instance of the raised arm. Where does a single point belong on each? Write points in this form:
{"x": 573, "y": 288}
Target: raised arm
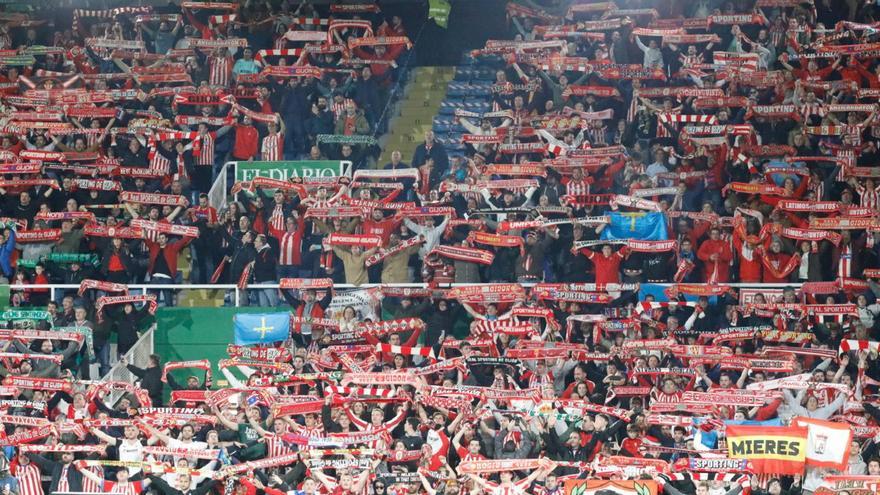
{"x": 80, "y": 466}
{"x": 224, "y": 420}
{"x": 111, "y": 440}
{"x": 164, "y": 438}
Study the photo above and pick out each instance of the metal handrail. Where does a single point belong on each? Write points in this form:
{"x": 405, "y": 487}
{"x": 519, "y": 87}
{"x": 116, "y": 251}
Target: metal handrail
{"x": 143, "y": 288}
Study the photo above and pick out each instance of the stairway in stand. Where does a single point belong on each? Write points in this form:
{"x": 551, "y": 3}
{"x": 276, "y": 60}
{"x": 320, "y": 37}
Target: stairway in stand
{"x": 195, "y": 298}
{"x": 414, "y": 115}
{"x": 415, "y": 111}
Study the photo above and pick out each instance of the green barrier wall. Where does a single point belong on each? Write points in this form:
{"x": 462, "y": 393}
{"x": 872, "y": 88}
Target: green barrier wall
{"x": 4, "y": 297}
{"x": 185, "y": 334}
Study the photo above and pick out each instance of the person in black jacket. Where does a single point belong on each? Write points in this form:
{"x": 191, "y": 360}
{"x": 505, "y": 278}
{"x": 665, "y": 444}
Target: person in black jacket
{"x": 117, "y": 262}
{"x": 241, "y": 254}
{"x": 565, "y": 448}
{"x": 58, "y": 470}
{"x": 151, "y": 378}
{"x": 441, "y": 321}
{"x": 265, "y": 271}
{"x": 429, "y": 148}
{"x": 126, "y": 322}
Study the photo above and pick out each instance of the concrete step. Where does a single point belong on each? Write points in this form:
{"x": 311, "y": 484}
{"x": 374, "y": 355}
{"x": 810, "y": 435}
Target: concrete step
{"x": 429, "y": 101}
{"x": 428, "y": 85}
{"x": 202, "y": 298}
{"x": 431, "y": 96}
{"x": 425, "y": 90}
{"x": 417, "y": 112}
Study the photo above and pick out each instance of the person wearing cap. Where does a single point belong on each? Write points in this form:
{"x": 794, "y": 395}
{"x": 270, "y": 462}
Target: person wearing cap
{"x": 8, "y": 483}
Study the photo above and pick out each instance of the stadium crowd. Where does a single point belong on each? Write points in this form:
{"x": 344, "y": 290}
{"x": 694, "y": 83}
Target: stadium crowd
{"x": 693, "y": 145}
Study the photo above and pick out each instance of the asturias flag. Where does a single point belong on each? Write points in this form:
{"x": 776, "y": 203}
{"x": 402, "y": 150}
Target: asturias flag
{"x": 776, "y": 450}
{"x": 261, "y": 328}
{"x": 644, "y": 226}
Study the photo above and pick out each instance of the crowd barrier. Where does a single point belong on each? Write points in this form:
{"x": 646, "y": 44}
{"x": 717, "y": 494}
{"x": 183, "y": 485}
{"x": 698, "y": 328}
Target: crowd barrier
{"x": 239, "y": 293}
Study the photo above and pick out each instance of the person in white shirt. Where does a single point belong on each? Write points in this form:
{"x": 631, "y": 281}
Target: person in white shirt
{"x": 425, "y": 229}
{"x": 128, "y": 448}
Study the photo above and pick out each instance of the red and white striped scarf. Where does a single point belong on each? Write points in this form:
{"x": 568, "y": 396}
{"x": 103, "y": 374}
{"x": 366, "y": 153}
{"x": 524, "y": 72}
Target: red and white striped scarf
{"x": 859, "y": 345}
{"x": 406, "y": 350}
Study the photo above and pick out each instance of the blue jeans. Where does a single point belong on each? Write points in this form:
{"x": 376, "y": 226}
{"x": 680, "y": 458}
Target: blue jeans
{"x": 102, "y": 354}
{"x": 267, "y": 297}
{"x": 166, "y": 296}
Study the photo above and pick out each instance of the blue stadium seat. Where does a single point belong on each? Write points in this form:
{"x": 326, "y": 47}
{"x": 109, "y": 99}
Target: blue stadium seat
{"x": 463, "y": 74}
{"x": 441, "y": 128}
{"x": 458, "y": 89}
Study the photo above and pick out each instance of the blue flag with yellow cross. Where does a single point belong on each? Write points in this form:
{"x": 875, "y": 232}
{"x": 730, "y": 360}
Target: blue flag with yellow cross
{"x": 644, "y": 226}
{"x": 260, "y": 328}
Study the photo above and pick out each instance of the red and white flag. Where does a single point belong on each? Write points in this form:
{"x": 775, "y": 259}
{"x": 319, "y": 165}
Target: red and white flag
{"x": 828, "y": 443}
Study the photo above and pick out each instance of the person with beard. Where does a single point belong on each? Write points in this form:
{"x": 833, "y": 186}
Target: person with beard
{"x": 44, "y": 367}
{"x": 321, "y": 119}
{"x": 64, "y": 476}
{"x": 565, "y": 446}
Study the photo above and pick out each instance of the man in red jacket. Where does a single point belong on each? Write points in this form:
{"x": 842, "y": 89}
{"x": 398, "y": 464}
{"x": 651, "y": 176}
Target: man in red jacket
{"x": 163, "y": 263}
{"x": 716, "y": 255}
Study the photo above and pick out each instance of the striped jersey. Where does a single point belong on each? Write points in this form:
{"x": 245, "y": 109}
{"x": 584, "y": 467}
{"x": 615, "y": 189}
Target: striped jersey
{"x": 273, "y": 146}
{"x": 290, "y": 249}
{"x": 221, "y": 71}
{"x": 868, "y": 198}
{"x": 206, "y": 149}
{"x": 28, "y": 479}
